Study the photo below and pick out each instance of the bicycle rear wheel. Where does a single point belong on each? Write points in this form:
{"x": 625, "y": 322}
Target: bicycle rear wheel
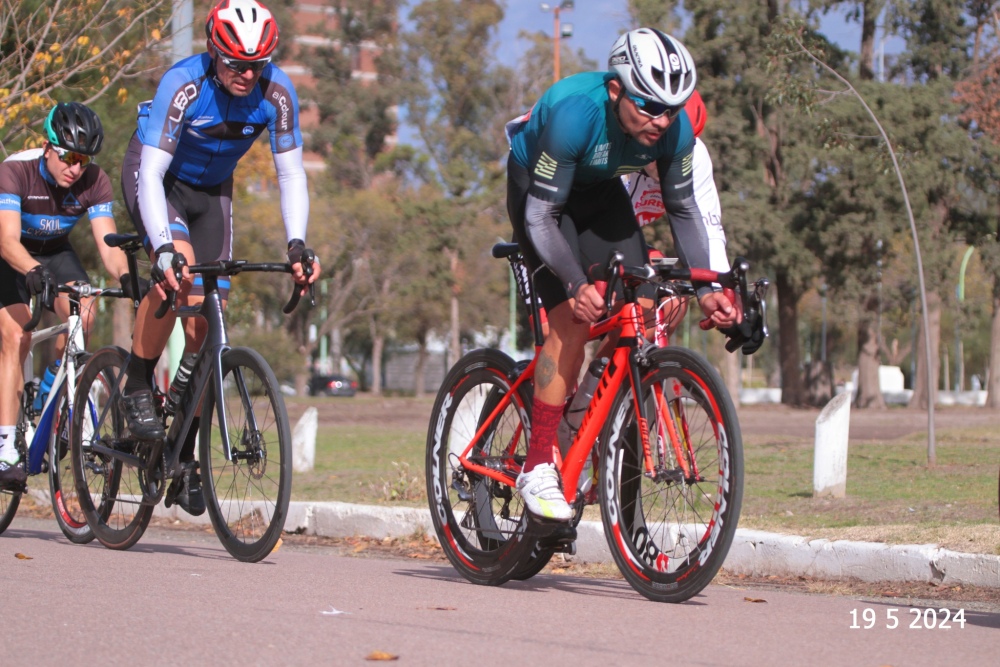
{"x": 480, "y": 522}
{"x": 247, "y": 491}
{"x": 108, "y": 490}
{"x": 62, "y": 484}
{"x": 670, "y": 534}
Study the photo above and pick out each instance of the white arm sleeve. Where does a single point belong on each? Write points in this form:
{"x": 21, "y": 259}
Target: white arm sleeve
{"x": 294, "y": 193}
{"x": 153, "y": 164}
{"x": 707, "y": 197}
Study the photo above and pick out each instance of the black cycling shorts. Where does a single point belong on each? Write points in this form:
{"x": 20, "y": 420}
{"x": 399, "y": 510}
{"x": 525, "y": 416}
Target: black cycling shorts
{"x": 596, "y": 220}
{"x": 63, "y": 263}
{"x": 202, "y": 216}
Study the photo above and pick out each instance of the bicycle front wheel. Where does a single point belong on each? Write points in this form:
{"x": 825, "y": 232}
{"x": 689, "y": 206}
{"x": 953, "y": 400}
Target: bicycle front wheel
{"x": 62, "y": 484}
{"x": 480, "y": 522}
{"x": 248, "y": 487}
{"x": 108, "y": 490}
{"x": 670, "y": 529}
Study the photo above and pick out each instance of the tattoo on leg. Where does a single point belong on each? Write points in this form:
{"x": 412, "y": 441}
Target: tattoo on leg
{"x": 545, "y": 372}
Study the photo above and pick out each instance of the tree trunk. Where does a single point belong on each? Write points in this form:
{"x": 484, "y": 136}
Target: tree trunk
{"x": 731, "y": 374}
{"x": 378, "y": 344}
{"x": 993, "y": 379}
{"x": 924, "y": 388}
{"x": 788, "y": 341}
{"x": 455, "y": 342}
{"x": 869, "y": 391}
{"x": 419, "y": 384}
{"x": 872, "y": 9}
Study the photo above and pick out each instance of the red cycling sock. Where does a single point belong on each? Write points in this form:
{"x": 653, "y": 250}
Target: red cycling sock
{"x": 544, "y": 422}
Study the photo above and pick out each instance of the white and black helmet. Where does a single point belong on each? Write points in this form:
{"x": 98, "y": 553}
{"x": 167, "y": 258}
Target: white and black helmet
{"x": 654, "y": 66}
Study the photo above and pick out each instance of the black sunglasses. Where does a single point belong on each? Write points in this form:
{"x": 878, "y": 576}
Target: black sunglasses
{"x": 241, "y": 66}
{"x": 654, "y": 109}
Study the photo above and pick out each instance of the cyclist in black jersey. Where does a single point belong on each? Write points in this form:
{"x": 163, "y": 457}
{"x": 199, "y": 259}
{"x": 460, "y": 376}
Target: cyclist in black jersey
{"x": 569, "y": 210}
{"x": 44, "y": 192}
{"x": 177, "y": 179}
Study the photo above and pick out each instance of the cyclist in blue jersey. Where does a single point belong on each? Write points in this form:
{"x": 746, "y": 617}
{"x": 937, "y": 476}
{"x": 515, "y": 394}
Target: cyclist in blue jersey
{"x": 44, "y": 192}
{"x": 177, "y": 179}
{"x": 569, "y": 210}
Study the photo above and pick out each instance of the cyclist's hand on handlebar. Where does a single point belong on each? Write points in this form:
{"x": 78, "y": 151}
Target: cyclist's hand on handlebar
{"x": 719, "y": 309}
{"x": 40, "y": 281}
{"x": 303, "y": 272}
{"x": 588, "y": 304}
{"x": 169, "y": 269}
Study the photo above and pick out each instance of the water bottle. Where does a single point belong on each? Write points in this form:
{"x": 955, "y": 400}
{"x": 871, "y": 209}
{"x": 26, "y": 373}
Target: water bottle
{"x": 46, "y": 385}
{"x": 180, "y": 382}
{"x": 573, "y": 416}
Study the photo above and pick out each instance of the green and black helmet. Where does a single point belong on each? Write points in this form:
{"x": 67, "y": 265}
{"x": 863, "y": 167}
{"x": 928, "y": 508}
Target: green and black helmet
{"x": 74, "y": 127}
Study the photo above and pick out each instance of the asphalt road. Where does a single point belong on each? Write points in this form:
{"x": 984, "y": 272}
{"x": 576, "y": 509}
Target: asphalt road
{"x": 177, "y": 598}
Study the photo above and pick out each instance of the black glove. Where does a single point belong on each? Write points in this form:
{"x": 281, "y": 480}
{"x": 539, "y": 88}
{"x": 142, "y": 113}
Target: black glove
{"x": 295, "y": 249}
{"x": 40, "y": 281}
{"x": 167, "y": 258}
{"x": 126, "y": 282}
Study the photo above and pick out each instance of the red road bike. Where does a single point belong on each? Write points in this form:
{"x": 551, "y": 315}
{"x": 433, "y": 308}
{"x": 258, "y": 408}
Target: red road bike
{"x": 660, "y": 429}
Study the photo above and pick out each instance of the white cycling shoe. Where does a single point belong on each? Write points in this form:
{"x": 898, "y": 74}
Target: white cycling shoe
{"x": 542, "y": 493}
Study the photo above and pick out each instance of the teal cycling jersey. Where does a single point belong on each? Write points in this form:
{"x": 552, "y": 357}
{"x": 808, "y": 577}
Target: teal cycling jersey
{"x": 571, "y": 139}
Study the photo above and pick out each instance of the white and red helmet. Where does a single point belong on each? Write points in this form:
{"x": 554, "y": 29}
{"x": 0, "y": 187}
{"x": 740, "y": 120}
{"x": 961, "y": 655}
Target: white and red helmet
{"x": 242, "y": 30}
{"x": 654, "y": 66}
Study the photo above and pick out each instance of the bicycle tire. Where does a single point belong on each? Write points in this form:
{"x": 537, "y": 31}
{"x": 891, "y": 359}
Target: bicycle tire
{"x": 480, "y": 523}
{"x": 62, "y": 484}
{"x": 9, "y": 498}
{"x": 670, "y": 537}
{"x": 119, "y": 519}
{"x": 247, "y": 495}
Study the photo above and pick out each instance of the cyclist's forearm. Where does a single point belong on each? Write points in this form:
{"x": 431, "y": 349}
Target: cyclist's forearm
{"x": 541, "y": 224}
{"x": 153, "y": 164}
{"x": 294, "y": 192}
{"x": 10, "y": 243}
{"x": 114, "y": 259}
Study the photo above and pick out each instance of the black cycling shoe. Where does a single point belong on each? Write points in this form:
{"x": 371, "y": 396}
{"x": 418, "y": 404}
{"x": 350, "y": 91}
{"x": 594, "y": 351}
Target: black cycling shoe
{"x": 12, "y": 476}
{"x": 140, "y": 416}
{"x": 186, "y": 491}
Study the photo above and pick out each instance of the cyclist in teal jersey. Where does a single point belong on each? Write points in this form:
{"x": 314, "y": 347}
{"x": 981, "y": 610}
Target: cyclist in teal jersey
{"x": 44, "y": 193}
{"x": 568, "y": 209}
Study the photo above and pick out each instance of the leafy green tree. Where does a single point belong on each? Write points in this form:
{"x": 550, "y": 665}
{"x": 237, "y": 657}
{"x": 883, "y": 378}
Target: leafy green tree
{"x": 56, "y": 50}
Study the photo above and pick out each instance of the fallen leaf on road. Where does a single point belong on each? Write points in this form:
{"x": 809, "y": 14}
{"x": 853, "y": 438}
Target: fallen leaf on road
{"x": 381, "y": 655}
{"x": 277, "y": 545}
{"x": 424, "y": 556}
{"x": 21, "y": 556}
{"x": 755, "y": 599}
{"x": 443, "y": 608}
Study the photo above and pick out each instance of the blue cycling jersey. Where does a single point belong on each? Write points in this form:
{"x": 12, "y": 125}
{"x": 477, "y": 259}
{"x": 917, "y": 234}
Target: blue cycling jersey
{"x": 206, "y": 129}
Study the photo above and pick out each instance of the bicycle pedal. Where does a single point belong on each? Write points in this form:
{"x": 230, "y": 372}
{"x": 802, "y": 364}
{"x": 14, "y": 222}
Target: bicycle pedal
{"x": 559, "y": 537}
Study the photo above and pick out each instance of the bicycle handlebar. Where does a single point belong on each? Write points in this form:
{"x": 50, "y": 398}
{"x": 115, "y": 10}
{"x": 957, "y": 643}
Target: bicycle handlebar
{"x": 233, "y": 267}
{"x": 79, "y": 291}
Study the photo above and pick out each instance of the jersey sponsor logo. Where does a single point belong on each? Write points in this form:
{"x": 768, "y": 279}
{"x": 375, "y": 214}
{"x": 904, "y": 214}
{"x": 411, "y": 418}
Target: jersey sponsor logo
{"x": 10, "y": 200}
{"x": 181, "y": 101}
{"x": 41, "y": 197}
{"x": 247, "y": 130}
{"x": 618, "y": 60}
{"x": 600, "y": 155}
{"x": 286, "y": 141}
{"x": 687, "y": 164}
{"x": 675, "y": 62}
{"x": 284, "y": 109}
{"x": 100, "y": 209}
{"x": 70, "y": 201}
{"x": 546, "y": 167}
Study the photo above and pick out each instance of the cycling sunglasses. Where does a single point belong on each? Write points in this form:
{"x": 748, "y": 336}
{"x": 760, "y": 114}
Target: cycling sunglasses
{"x": 654, "y": 109}
{"x": 241, "y": 66}
{"x": 71, "y": 158}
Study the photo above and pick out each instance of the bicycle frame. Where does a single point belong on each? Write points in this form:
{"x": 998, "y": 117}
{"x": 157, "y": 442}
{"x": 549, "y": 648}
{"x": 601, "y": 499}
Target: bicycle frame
{"x": 39, "y": 438}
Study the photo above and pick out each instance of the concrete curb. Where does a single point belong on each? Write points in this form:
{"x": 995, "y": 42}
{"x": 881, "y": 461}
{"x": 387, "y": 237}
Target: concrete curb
{"x": 753, "y": 553}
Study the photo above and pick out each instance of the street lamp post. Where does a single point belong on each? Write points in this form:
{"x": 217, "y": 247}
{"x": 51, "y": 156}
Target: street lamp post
{"x": 558, "y": 30}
